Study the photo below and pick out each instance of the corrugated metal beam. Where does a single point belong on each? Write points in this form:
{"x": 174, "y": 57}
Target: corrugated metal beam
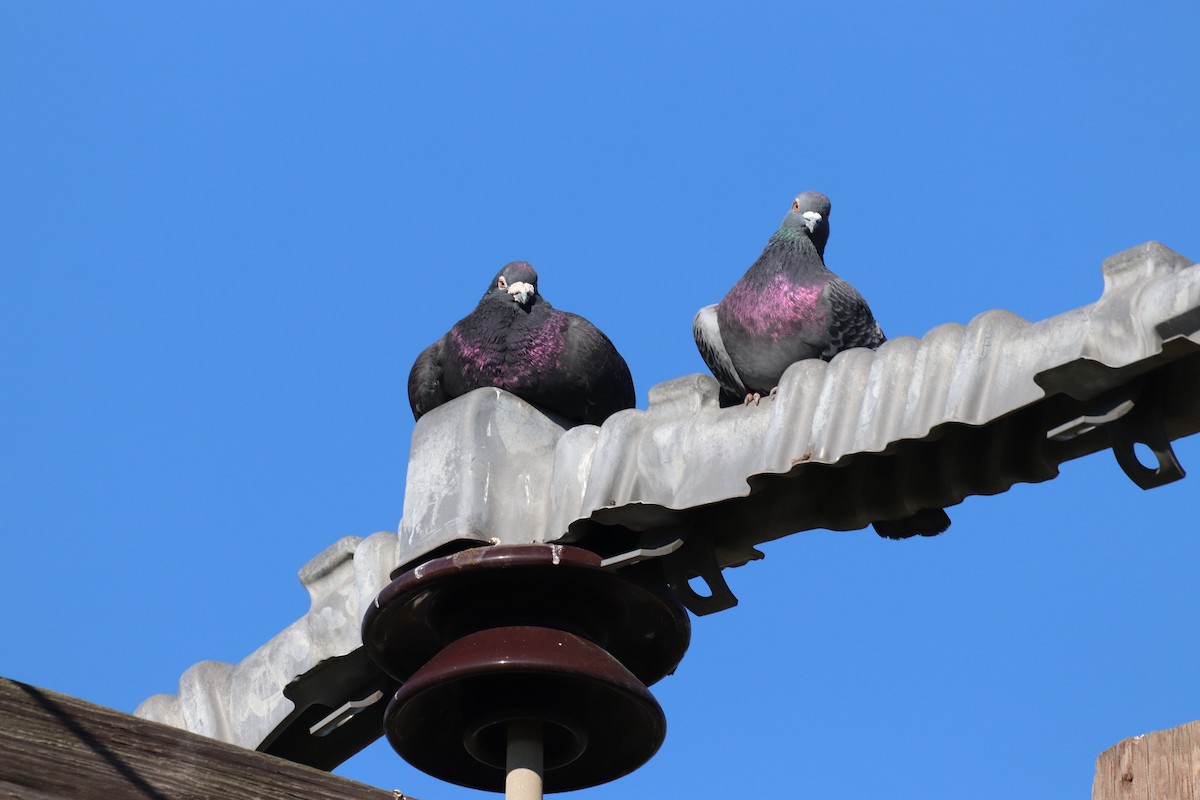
{"x": 965, "y": 410}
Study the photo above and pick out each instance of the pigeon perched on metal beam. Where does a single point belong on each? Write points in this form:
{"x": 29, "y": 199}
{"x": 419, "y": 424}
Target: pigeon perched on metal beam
{"x": 516, "y": 341}
{"x": 788, "y": 307}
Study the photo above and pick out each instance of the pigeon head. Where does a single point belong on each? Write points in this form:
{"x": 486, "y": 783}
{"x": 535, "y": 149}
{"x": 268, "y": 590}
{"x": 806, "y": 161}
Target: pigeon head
{"x": 516, "y": 282}
{"x": 809, "y": 216}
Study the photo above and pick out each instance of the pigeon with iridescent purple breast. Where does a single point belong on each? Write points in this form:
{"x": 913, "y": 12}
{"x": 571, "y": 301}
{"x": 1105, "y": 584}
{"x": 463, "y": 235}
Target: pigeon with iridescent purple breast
{"x": 516, "y": 341}
{"x": 788, "y": 307}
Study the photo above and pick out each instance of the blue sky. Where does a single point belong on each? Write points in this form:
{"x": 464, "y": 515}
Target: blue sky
{"x": 228, "y": 229}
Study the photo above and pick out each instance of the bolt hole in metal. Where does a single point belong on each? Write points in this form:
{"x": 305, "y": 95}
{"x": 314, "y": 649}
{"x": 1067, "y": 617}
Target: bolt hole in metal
{"x": 700, "y": 587}
{"x": 1146, "y": 456}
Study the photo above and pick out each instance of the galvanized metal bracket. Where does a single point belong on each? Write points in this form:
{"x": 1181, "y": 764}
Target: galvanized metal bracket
{"x": 1144, "y": 425}
{"x": 641, "y": 554}
{"x": 339, "y": 707}
{"x": 698, "y": 559}
{"x": 348, "y": 711}
{"x": 1102, "y": 413}
{"x": 1131, "y": 415}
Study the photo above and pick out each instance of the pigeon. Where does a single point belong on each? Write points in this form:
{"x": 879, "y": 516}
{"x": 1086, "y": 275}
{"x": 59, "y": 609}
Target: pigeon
{"x": 788, "y": 307}
{"x": 516, "y": 341}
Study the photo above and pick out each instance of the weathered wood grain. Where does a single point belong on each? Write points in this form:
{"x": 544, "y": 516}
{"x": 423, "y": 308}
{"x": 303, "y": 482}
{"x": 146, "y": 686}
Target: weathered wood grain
{"x": 54, "y": 747}
{"x": 1164, "y": 765}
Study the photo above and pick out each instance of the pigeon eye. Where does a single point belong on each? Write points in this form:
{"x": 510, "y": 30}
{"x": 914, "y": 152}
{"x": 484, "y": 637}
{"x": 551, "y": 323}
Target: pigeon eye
{"x": 501, "y": 283}
{"x": 795, "y": 205}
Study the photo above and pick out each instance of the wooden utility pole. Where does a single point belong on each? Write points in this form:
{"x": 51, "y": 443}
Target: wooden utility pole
{"x": 53, "y": 746}
{"x": 1164, "y": 765}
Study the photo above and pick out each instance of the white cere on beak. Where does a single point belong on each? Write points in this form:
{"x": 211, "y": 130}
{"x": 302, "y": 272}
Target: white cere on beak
{"x": 811, "y": 218}
{"x": 521, "y": 292}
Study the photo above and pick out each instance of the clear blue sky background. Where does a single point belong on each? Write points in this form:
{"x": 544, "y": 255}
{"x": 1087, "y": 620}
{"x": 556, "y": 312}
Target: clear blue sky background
{"x": 227, "y": 229}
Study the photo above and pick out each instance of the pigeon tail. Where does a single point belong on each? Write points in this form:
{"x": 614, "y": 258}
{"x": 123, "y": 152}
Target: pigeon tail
{"x": 926, "y": 522}
{"x": 707, "y": 333}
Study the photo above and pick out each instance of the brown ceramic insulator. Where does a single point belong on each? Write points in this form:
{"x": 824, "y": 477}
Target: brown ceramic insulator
{"x": 632, "y": 616}
{"x": 450, "y": 719}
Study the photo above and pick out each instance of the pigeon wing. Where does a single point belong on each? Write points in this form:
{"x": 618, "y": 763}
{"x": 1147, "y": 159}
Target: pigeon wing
{"x": 593, "y": 381}
{"x": 851, "y": 323}
{"x": 425, "y": 388}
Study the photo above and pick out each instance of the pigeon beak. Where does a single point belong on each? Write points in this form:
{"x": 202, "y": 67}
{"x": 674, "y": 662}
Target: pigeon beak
{"x": 521, "y": 292}
{"x": 811, "y": 220}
